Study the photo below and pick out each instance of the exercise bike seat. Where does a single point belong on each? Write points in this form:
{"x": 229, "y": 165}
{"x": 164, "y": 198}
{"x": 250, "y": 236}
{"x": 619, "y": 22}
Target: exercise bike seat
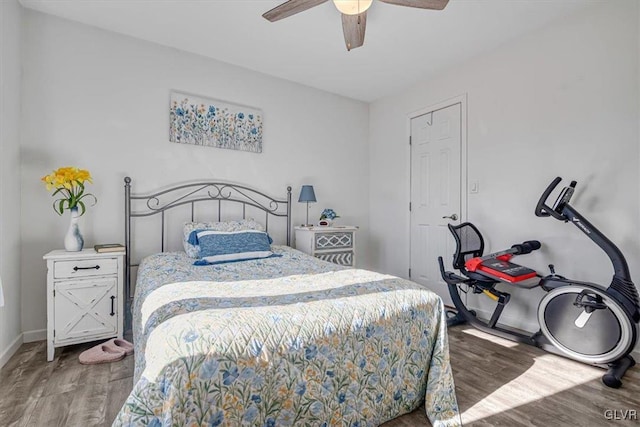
{"x": 470, "y": 245}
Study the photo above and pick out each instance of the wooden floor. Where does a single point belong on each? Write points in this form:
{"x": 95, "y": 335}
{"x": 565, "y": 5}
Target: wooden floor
{"x": 498, "y": 383}
{"x": 62, "y": 392}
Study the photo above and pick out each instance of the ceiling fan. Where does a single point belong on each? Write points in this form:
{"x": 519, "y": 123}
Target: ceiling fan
{"x": 354, "y": 14}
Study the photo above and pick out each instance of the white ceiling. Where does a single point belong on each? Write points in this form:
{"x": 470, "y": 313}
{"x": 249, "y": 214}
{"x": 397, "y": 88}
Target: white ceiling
{"x": 402, "y": 45}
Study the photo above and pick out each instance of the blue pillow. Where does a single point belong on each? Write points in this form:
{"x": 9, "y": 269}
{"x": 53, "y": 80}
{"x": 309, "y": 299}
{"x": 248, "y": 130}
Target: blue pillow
{"x": 236, "y": 225}
{"x": 218, "y": 247}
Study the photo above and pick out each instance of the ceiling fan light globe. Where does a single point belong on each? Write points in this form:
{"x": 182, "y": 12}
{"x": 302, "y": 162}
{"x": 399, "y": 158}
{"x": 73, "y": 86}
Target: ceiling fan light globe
{"x": 352, "y": 7}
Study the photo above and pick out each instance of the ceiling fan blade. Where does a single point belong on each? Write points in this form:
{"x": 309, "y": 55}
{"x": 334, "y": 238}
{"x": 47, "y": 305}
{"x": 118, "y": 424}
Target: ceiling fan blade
{"x": 289, "y": 8}
{"x": 353, "y": 27}
{"x": 422, "y": 4}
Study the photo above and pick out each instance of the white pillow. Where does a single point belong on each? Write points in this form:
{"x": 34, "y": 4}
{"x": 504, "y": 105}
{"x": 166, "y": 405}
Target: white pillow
{"x": 239, "y": 225}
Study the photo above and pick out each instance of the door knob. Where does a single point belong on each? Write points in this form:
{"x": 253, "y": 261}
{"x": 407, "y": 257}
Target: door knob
{"x": 453, "y": 217}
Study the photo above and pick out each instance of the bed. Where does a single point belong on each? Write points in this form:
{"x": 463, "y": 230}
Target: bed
{"x": 279, "y": 341}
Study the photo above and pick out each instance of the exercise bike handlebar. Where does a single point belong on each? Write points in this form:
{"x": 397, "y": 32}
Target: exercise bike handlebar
{"x": 542, "y": 209}
{"x": 527, "y": 247}
{"x": 563, "y": 211}
{"x": 519, "y": 249}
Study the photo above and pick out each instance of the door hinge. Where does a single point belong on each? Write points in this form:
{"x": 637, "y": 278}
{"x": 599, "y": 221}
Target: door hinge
{"x": 409, "y": 140}
{"x": 54, "y": 333}
{"x": 409, "y": 273}
{"x": 409, "y": 206}
{"x": 54, "y": 293}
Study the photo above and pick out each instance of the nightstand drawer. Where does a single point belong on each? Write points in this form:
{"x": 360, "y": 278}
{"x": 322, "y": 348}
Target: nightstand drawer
{"x": 334, "y": 240}
{"x": 338, "y": 257}
{"x": 85, "y": 267}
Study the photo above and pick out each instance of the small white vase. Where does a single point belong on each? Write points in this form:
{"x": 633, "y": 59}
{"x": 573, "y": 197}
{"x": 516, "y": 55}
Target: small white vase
{"x": 73, "y": 241}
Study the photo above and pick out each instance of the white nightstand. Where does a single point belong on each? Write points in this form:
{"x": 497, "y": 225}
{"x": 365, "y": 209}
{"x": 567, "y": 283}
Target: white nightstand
{"x": 333, "y": 244}
{"x": 84, "y": 297}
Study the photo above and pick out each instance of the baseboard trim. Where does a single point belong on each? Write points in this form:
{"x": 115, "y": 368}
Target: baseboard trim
{"x": 33, "y": 336}
{"x": 11, "y": 350}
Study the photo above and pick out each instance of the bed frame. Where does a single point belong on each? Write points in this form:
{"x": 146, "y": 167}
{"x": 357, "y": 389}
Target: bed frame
{"x": 138, "y": 205}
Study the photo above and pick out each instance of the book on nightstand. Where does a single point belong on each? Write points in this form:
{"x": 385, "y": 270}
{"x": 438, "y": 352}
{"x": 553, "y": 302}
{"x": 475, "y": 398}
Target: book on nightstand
{"x": 109, "y": 247}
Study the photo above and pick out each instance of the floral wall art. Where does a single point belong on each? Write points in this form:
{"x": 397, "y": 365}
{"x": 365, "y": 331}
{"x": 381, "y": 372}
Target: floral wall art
{"x": 212, "y": 123}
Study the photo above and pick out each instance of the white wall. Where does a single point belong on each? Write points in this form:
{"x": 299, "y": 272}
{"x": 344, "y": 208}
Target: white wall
{"x": 10, "y": 337}
{"x": 560, "y": 101}
{"x": 99, "y": 100}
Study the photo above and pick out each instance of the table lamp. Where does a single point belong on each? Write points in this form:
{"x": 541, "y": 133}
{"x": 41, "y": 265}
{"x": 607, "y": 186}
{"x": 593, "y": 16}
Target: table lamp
{"x": 307, "y": 195}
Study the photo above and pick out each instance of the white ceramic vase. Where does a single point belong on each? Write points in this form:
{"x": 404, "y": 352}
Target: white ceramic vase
{"x": 73, "y": 241}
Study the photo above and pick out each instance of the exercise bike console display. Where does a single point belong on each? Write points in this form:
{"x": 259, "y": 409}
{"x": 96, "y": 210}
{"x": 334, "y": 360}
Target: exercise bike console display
{"x": 584, "y": 321}
{"x": 564, "y": 197}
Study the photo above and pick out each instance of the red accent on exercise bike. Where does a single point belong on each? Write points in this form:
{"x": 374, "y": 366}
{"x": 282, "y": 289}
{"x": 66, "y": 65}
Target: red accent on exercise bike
{"x": 473, "y": 263}
{"x": 499, "y": 268}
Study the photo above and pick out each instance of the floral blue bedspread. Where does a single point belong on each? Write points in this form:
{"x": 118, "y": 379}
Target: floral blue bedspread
{"x": 284, "y": 341}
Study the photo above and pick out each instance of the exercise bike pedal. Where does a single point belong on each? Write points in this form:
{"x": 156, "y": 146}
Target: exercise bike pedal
{"x": 591, "y": 304}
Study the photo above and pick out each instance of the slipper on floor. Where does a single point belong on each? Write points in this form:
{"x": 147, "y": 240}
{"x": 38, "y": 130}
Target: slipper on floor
{"x": 120, "y": 345}
{"x": 101, "y": 354}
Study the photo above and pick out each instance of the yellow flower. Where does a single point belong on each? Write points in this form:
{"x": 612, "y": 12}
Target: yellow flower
{"x": 336, "y": 419}
{"x": 83, "y": 175}
{"x": 283, "y": 391}
{"x": 449, "y": 415}
{"x": 68, "y": 185}
{"x": 311, "y": 373}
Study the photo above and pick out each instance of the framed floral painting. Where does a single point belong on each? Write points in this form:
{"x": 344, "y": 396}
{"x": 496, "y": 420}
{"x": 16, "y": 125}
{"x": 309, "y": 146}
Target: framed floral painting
{"x": 212, "y": 123}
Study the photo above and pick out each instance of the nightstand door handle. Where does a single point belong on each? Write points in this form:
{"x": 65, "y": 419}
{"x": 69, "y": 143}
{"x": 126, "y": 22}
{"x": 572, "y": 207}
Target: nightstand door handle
{"x": 112, "y": 306}
{"x": 76, "y": 268}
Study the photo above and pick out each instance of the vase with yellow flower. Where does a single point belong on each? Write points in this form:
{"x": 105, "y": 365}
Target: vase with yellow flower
{"x": 68, "y": 184}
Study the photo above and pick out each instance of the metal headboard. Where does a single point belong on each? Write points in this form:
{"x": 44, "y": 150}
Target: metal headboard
{"x": 190, "y": 194}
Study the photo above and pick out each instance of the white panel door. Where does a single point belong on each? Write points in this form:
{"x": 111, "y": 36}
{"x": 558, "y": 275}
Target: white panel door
{"x": 435, "y": 193}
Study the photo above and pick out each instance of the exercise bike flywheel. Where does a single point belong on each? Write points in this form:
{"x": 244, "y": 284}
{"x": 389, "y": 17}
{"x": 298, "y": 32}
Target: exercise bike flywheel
{"x": 586, "y": 324}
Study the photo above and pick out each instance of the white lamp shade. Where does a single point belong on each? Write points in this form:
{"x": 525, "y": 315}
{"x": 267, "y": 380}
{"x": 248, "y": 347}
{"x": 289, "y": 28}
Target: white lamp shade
{"x": 352, "y": 7}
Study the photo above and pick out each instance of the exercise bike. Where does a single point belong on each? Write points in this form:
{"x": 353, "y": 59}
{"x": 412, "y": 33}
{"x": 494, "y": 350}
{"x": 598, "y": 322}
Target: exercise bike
{"x": 579, "y": 320}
